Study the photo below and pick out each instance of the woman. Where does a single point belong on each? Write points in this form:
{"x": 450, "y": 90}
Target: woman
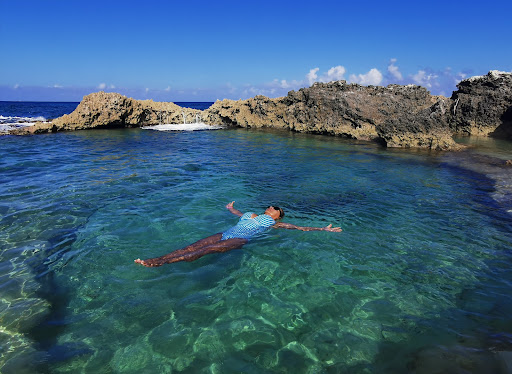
{"x": 250, "y": 224}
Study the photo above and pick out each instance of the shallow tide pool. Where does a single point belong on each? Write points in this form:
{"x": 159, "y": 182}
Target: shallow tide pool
{"x": 418, "y": 280}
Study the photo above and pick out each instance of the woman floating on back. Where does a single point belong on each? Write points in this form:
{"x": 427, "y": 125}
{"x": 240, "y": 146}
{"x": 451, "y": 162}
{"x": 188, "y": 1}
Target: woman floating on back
{"x": 249, "y": 225}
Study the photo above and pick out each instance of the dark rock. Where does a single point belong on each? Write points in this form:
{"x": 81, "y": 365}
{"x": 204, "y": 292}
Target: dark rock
{"x": 398, "y": 116}
{"x": 483, "y": 105}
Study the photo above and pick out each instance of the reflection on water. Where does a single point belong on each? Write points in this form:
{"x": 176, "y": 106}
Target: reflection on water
{"x": 418, "y": 280}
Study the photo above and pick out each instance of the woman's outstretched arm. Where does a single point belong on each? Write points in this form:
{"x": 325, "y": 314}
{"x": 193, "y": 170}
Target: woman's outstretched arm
{"x": 283, "y": 225}
{"x": 236, "y": 212}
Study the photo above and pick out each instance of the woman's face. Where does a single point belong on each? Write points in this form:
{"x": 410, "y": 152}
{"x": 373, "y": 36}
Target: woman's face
{"x": 273, "y": 212}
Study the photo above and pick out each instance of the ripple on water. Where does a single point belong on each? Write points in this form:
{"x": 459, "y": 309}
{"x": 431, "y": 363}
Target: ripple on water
{"x": 423, "y": 259}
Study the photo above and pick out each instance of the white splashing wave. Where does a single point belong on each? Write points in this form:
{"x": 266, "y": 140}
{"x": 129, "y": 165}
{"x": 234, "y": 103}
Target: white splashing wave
{"x": 182, "y": 127}
{"x": 18, "y": 120}
{"x": 8, "y": 123}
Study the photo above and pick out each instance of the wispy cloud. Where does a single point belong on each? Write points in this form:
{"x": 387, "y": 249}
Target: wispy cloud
{"x": 312, "y": 77}
{"x": 437, "y": 81}
{"x": 394, "y": 71}
{"x": 422, "y": 78}
{"x": 291, "y": 85}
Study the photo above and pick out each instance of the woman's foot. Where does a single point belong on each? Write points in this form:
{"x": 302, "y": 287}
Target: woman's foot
{"x": 147, "y": 263}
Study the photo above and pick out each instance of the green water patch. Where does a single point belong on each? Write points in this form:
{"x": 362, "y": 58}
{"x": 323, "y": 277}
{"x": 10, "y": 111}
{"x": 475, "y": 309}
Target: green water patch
{"x": 421, "y": 267}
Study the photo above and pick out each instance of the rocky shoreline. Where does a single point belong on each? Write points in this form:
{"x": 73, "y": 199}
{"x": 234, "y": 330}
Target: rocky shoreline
{"x": 395, "y": 116}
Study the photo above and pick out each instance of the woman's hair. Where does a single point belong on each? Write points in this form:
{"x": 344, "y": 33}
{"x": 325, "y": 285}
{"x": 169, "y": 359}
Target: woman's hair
{"x": 281, "y": 211}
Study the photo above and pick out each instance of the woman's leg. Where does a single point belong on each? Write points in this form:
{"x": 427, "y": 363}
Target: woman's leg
{"x": 158, "y": 261}
{"x": 191, "y": 255}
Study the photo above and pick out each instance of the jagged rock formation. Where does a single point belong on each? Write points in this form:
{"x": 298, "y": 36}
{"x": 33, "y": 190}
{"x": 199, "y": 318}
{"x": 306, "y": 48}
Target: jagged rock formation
{"x": 483, "y": 105}
{"x": 397, "y": 116}
{"x": 113, "y": 110}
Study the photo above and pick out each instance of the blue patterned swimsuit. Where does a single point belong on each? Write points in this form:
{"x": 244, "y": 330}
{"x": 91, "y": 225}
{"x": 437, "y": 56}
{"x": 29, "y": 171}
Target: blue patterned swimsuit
{"x": 247, "y": 227}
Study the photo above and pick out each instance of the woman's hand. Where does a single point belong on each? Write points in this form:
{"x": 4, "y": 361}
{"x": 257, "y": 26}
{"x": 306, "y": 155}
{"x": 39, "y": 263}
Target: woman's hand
{"x": 332, "y": 229}
{"x": 236, "y": 212}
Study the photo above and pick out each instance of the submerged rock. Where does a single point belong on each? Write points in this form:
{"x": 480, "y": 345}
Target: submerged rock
{"x": 396, "y": 116}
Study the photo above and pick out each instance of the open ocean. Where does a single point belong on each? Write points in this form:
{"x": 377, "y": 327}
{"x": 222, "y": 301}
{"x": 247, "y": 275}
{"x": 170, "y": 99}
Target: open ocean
{"x": 419, "y": 281}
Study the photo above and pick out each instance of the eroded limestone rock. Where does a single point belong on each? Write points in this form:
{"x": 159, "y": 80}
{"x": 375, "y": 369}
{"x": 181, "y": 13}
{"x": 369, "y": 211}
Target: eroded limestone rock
{"x": 398, "y": 116}
{"x": 113, "y": 110}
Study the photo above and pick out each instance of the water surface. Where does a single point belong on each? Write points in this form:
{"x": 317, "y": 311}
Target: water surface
{"x": 419, "y": 278}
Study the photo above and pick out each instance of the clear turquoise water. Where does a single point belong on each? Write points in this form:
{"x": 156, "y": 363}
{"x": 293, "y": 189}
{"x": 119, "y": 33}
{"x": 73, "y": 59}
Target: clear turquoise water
{"x": 419, "y": 279}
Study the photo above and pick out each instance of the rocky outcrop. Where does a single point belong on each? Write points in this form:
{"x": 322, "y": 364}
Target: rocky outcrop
{"x": 112, "y": 110}
{"x": 256, "y": 112}
{"x": 483, "y": 105}
{"x": 397, "y": 116}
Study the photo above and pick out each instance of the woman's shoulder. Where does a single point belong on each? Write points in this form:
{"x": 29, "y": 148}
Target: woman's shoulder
{"x": 248, "y": 215}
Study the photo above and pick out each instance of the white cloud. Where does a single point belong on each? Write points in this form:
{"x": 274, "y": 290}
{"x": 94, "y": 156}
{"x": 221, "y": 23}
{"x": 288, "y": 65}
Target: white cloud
{"x": 460, "y": 77}
{"x": 312, "y": 76}
{"x": 281, "y": 87}
{"x": 439, "y": 82}
{"x": 168, "y": 89}
{"x": 103, "y": 86}
{"x": 373, "y": 77}
{"x": 419, "y": 77}
{"x": 16, "y": 86}
{"x": 252, "y": 91}
{"x": 422, "y": 78}
{"x": 286, "y": 85}
{"x": 393, "y": 70}
{"x": 283, "y": 83}
{"x": 335, "y": 73}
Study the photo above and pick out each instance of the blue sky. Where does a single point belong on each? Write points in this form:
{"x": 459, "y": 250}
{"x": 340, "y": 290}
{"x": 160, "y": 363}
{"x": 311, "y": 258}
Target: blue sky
{"x": 56, "y": 50}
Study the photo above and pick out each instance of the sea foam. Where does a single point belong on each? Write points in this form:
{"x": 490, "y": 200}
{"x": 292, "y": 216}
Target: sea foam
{"x": 182, "y": 127}
{"x": 8, "y": 123}
{"x": 17, "y": 119}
